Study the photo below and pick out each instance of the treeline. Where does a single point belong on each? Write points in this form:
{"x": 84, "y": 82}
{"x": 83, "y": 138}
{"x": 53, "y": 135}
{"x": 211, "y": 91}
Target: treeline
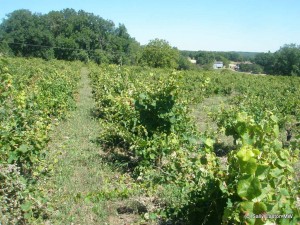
{"x": 67, "y": 35}
{"x": 71, "y": 35}
{"x": 207, "y": 58}
{"x": 285, "y": 61}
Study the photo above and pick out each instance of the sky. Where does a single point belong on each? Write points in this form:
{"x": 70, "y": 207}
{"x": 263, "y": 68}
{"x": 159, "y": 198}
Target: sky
{"x": 212, "y": 25}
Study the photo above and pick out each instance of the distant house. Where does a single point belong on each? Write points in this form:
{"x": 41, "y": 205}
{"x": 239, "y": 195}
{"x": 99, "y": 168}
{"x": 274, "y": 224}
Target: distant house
{"x": 218, "y": 65}
{"x": 194, "y": 61}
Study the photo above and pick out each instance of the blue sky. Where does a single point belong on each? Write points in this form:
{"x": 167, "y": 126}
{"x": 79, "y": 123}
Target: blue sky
{"x": 216, "y": 25}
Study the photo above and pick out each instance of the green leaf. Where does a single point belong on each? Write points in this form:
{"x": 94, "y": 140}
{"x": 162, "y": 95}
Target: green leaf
{"x": 242, "y": 188}
{"x": 242, "y": 117}
{"x": 276, "y": 130}
{"x": 277, "y": 144}
{"x": 247, "y": 139}
{"x": 247, "y": 153}
{"x": 262, "y": 171}
{"x": 249, "y": 188}
{"x": 259, "y": 208}
{"x": 143, "y": 96}
{"x": 229, "y": 203}
{"x": 209, "y": 142}
{"x": 284, "y": 192}
{"x": 26, "y": 206}
{"x": 259, "y": 221}
{"x": 274, "y": 118}
{"x": 247, "y": 207}
{"x": 255, "y": 188}
{"x": 290, "y": 169}
{"x": 276, "y": 172}
{"x": 23, "y": 148}
{"x": 28, "y": 215}
{"x": 267, "y": 191}
{"x": 249, "y": 166}
{"x": 248, "y": 163}
{"x": 284, "y": 154}
{"x": 152, "y": 156}
{"x": 152, "y": 216}
{"x": 223, "y": 187}
{"x": 280, "y": 163}
{"x": 12, "y": 157}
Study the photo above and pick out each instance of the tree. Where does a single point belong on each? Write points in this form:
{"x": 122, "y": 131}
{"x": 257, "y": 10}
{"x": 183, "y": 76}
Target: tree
{"x": 26, "y": 35}
{"x": 185, "y": 64}
{"x": 67, "y": 35}
{"x": 252, "y": 68}
{"x": 134, "y": 53}
{"x": 159, "y": 54}
{"x": 266, "y": 60}
{"x": 205, "y": 58}
{"x": 234, "y": 56}
{"x": 66, "y": 48}
{"x": 287, "y": 60}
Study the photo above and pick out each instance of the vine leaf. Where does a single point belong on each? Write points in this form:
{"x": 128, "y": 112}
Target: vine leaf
{"x": 249, "y": 188}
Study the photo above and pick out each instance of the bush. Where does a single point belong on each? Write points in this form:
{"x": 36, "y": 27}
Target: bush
{"x": 251, "y": 68}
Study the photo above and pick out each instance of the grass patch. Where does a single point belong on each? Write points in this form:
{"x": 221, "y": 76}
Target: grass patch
{"x": 202, "y": 116}
{"x": 83, "y": 187}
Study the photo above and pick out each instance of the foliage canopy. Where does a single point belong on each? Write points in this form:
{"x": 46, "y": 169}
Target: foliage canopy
{"x": 159, "y": 54}
{"x": 285, "y": 61}
{"x": 67, "y": 35}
